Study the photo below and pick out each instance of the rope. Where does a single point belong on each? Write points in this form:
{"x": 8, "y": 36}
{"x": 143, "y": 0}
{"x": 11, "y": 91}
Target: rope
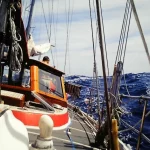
{"x": 123, "y": 32}
{"x": 92, "y": 33}
{"x": 134, "y": 125}
{"x": 67, "y": 130}
{"x": 50, "y": 18}
{"x": 125, "y": 83}
{"x": 109, "y": 81}
{"x": 102, "y": 112}
{"x": 72, "y": 9}
{"x": 95, "y": 66}
{"x": 16, "y": 50}
{"x": 56, "y": 34}
{"x": 127, "y": 36}
{"x": 96, "y": 28}
{"x": 115, "y": 99}
{"x": 26, "y": 16}
{"x": 68, "y": 26}
{"x": 140, "y": 29}
{"x": 55, "y": 19}
{"x": 135, "y": 130}
{"x": 67, "y": 39}
{"x": 118, "y": 109}
{"x": 47, "y": 31}
{"x": 104, "y": 72}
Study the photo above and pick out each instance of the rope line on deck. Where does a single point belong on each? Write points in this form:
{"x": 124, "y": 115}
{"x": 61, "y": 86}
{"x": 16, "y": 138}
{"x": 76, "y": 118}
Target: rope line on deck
{"x": 68, "y": 130}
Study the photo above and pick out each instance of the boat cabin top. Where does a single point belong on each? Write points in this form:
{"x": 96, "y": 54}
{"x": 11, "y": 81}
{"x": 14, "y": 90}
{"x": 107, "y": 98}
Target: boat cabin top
{"x": 38, "y": 77}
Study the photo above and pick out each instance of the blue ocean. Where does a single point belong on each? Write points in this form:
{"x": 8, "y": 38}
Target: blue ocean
{"x": 133, "y": 84}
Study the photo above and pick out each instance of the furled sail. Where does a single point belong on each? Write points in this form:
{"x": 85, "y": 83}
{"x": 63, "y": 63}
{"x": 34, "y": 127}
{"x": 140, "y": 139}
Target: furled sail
{"x": 34, "y": 50}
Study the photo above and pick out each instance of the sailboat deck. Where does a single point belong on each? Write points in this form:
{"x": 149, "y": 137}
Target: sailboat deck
{"x": 81, "y": 136}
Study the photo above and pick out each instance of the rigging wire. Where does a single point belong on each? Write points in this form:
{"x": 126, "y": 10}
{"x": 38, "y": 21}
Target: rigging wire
{"x": 125, "y": 49}
{"x": 92, "y": 32}
{"x": 124, "y": 44}
{"x": 126, "y": 30}
{"x": 55, "y": 21}
{"x": 70, "y": 30}
{"x": 136, "y": 131}
{"x": 47, "y": 31}
{"x": 52, "y": 23}
{"x": 104, "y": 72}
{"x": 123, "y": 31}
{"x": 127, "y": 35}
{"x": 130, "y": 128}
{"x": 126, "y": 83}
{"x": 96, "y": 35}
{"x": 54, "y": 28}
{"x": 101, "y": 12}
{"x": 26, "y": 16}
{"x": 55, "y": 33}
{"x": 140, "y": 29}
{"x": 95, "y": 66}
{"x": 67, "y": 22}
{"x": 50, "y": 18}
{"x": 103, "y": 29}
{"x": 96, "y": 22}
{"x": 124, "y": 36}
{"x": 68, "y": 26}
{"x": 67, "y": 38}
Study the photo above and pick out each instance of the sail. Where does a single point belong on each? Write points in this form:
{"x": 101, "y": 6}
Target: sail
{"x": 35, "y": 50}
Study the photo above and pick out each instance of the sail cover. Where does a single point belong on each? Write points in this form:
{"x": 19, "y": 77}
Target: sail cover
{"x": 35, "y": 50}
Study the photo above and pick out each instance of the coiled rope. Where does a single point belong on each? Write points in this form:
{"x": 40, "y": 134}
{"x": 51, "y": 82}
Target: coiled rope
{"x": 16, "y": 54}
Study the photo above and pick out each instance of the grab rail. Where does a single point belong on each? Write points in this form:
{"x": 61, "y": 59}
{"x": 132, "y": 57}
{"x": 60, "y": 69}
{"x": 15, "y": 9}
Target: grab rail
{"x": 42, "y": 100}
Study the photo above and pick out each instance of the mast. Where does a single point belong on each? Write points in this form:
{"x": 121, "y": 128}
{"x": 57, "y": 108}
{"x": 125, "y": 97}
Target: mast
{"x": 28, "y": 29}
{"x": 104, "y": 72}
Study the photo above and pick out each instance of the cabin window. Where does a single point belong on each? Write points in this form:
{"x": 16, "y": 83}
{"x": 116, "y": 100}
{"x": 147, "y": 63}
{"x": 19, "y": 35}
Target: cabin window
{"x": 26, "y": 78}
{"x": 5, "y": 74}
{"x": 15, "y": 76}
{"x": 50, "y": 83}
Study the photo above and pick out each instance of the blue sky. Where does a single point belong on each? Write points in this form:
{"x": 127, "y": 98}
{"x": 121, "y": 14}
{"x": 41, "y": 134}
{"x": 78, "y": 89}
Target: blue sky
{"x": 80, "y": 53}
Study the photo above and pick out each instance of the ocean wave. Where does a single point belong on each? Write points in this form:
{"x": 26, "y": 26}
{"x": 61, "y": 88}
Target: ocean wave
{"x": 133, "y": 84}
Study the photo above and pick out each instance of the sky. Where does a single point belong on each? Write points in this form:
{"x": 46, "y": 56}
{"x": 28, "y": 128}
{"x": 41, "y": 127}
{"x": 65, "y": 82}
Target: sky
{"x": 79, "y": 56}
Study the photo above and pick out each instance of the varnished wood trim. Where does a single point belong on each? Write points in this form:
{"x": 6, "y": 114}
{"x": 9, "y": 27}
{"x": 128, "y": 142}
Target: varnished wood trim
{"x": 51, "y": 95}
{"x": 15, "y": 87}
{"x": 53, "y": 99}
{"x": 34, "y": 78}
{"x": 63, "y": 88}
